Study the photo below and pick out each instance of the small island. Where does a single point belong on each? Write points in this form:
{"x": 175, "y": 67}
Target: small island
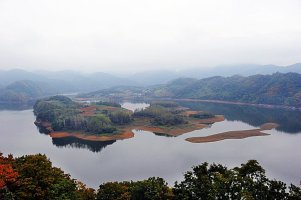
{"x": 241, "y": 134}
{"x": 60, "y": 117}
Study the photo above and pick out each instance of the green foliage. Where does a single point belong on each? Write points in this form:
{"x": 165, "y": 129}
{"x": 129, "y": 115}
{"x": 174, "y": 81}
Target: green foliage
{"x": 276, "y": 89}
{"x": 166, "y": 104}
{"x": 245, "y": 182}
{"x": 121, "y": 117}
{"x": 62, "y": 99}
{"x": 24, "y": 91}
{"x": 100, "y": 124}
{"x": 106, "y": 103}
{"x": 12, "y": 96}
{"x": 61, "y": 112}
{"x": 150, "y": 189}
{"x": 114, "y": 190}
{"x": 168, "y": 119}
{"x": 50, "y": 108}
{"x": 294, "y": 193}
{"x": 85, "y": 193}
{"x": 39, "y": 180}
{"x": 202, "y": 115}
{"x": 64, "y": 114}
{"x": 161, "y": 115}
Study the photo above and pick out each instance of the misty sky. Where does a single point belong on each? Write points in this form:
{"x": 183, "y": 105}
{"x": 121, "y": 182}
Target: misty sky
{"x": 111, "y": 35}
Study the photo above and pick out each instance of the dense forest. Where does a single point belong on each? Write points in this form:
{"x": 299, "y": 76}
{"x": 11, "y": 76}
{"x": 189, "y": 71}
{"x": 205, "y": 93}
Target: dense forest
{"x": 276, "y": 89}
{"x": 34, "y": 177}
{"x": 25, "y": 92}
{"x": 61, "y": 113}
{"x": 162, "y": 114}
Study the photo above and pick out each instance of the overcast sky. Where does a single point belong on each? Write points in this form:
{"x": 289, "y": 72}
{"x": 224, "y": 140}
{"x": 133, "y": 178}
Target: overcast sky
{"x": 111, "y": 35}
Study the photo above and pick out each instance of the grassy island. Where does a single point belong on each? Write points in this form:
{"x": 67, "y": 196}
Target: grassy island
{"x": 59, "y": 117}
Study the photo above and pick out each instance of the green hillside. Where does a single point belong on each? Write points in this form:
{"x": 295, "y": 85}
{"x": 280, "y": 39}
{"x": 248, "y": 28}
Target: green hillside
{"x": 24, "y": 91}
{"x": 276, "y": 89}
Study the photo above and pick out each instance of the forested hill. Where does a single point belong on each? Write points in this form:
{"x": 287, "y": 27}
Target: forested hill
{"x": 276, "y": 89}
{"x": 24, "y": 91}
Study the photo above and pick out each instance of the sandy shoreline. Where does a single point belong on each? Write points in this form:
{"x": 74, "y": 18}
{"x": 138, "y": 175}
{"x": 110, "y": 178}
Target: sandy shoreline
{"x": 143, "y": 123}
{"x": 89, "y": 137}
{"x": 234, "y": 134}
{"x": 127, "y": 131}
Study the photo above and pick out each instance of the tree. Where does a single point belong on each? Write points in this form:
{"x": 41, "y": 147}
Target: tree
{"x": 253, "y": 179}
{"x": 39, "y": 180}
{"x": 294, "y": 193}
{"x": 100, "y": 124}
{"x": 246, "y": 182}
{"x": 197, "y": 183}
{"x": 8, "y": 177}
{"x": 120, "y": 117}
{"x": 114, "y": 190}
{"x": 85, "y": 193}
{"x": 151, "y": 189}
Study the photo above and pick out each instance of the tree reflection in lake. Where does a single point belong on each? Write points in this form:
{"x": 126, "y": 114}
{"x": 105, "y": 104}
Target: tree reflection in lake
{"x": 289, "y": 120}
{"x": 72, "y": 142}
{"x": 15, "y": 106}
{"x": 147, "y": 155}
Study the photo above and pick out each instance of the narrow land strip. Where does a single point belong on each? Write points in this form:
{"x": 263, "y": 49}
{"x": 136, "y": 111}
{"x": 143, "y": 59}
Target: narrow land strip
{"x": 234, "y": 134}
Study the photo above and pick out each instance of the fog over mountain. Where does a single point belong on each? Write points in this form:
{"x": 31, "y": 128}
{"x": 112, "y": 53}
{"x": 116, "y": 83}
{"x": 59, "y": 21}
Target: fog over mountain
{"x": 138, "y": 35}
{"x": 83, "y": 46}
{"x": 75, "y": 81}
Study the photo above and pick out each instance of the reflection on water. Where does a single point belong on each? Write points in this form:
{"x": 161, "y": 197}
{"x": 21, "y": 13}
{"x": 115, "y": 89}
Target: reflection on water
{"x": 72, "y": 142}
{"x": 134, "y": 106}
{"x": 147, "y": 154}
{"x": 289, "y": 120}
{"x": 16, "y": 106}
{"x": 163, "y": 134}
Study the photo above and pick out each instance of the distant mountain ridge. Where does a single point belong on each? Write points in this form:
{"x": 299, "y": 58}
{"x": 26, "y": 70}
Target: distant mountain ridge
{"x": 25, "y": 91}
{"x": 242, "y": 69}
{"x": 69, "y": 80}
{"x": 275, "y": 89}
{"x": 164, "y": 76}
{"x": 20, "y": 85}
{"x": 65, "y": 81}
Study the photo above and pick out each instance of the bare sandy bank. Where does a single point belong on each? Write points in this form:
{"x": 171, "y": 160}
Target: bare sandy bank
{"x": 89, "y": 137}
{"x": 234, "y": 134}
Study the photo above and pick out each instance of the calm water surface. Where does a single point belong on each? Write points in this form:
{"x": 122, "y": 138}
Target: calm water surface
{"x": 148, "y": 154}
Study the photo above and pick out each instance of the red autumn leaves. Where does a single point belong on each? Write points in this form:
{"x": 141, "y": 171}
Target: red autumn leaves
{"x": 7, "y": 173}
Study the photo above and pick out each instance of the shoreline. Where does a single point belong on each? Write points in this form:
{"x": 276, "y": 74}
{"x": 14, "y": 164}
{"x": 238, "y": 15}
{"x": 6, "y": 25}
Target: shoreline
{"x": 241, "y": 134}
{"x": 232, "y": 103}
{"x": 127, "y": 131}
{"x": 89, "y": 137}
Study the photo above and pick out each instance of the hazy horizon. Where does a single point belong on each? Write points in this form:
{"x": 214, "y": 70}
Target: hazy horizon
{"x": 133, "y": 36}
{"x": 138, "y": 71}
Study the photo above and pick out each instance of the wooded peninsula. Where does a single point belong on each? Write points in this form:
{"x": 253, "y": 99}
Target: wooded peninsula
{"x": 59, "y": 116}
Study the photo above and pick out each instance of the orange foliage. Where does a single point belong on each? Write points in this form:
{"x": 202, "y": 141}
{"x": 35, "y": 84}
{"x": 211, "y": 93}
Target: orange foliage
{"x": 7, "y": 173}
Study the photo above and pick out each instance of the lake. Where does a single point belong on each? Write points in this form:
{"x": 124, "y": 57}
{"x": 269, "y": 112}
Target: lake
{"x": 148, "y": 154}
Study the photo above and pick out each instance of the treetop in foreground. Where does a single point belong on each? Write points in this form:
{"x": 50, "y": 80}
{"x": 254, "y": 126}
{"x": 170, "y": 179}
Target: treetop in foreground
{"x": 34, "y": 177}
